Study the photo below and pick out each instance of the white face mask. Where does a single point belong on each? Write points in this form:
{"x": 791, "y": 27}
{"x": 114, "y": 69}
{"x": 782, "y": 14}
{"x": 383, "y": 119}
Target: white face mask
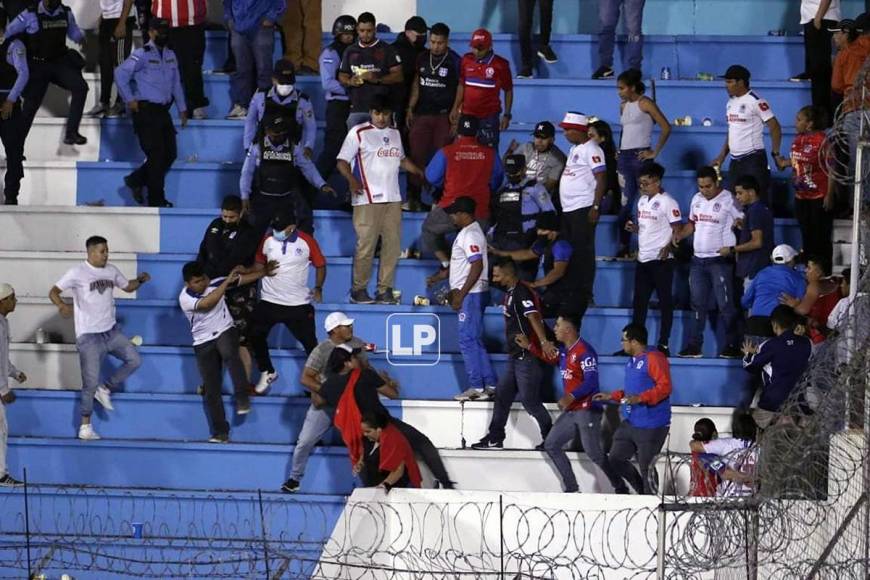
{"x": 284, "y": 90}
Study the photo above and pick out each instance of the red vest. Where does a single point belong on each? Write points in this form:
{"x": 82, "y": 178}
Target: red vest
{"x": 469, "y": 171}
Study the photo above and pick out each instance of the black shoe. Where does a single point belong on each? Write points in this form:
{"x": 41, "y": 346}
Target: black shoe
{"x": 9, "y": 481}
{"x": 77, "y": 139}
{"x": 220, "y": 438}
{"x": 243, "y": 407}
{"x": 11, "y": 201}
{"x": 690, "y": 352}
{"x": 804, "y": 76}
{"x": 540, "y": 446}
{"x": 664, "y": 349}
{"x": 445, "y": 485}
{"x": 290, "y": 486}
{"x": 620, "y": 353}
{"x": 161, "y": 203}
{"x": 386, "y": 297}
{"x": 138, "y": 196}
{"x": 603, "y": 72}
{"x": 487, "y": 443}
{"x": 731, "y": 352}
{"x": 547, "y": 54}
{"x": 525, "y": 73}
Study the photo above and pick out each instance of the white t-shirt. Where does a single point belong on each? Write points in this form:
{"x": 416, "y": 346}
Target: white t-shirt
{"x": 205, "y": 325}
{"x": 577, "y": 185}
{"x": 810, "y": 7}
{"x": 469, "y": 247}
{"x": 746, "y": 117}
{"x": 289, "y": 285}
{"x": 654, "y": 218}
{"x": 375, "y": 156}
{"x": 738, "y": 455}
{"x": 714, "y": 222}
{"x": 92, "y": 290}
{"x": 113, "y": 8}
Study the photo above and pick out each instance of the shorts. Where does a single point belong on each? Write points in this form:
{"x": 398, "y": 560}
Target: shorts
{"x": 241, "y": 302}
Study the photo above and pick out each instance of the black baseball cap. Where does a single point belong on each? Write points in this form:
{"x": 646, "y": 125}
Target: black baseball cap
{"x": 848, "y": 24}
{"x": 863, "y": 22}
{"x": 158, "y": 24}
{"x": 468, "y": 126}
{"x": 282, "y": 219}
{"x": 514, "y": 164}
{"x": 284, "y": 72}
{"x": 463, "y": 204}
{"x": 737, "y": 72}
{"x": 544, "y": 130}
{"x": 417, "y": 24}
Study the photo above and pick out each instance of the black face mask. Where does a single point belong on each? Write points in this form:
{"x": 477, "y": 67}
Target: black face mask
{"x": 51, "y": 5}
{"x": 161, "y": 39}
{"x": 231, "y": 227}
{"x": 279, "y": 139}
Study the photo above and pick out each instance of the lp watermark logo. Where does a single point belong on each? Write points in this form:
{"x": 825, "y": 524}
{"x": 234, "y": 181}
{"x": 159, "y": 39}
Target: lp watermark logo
{"x": 413, "y": 339}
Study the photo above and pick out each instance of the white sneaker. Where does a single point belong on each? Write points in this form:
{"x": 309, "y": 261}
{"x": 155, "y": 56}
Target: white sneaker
{"x": 488, "y": 394}
{"x": 266, "y": 379}
{"x": 237, "y": 112}
{"x": 87, "y": 433}
{"x": 201, "y": 113}
{"x": 469, "y": 395}
{"x": 104, "y": 397}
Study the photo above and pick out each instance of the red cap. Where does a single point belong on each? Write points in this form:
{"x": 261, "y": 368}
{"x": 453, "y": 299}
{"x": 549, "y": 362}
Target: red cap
{"x": 481, "y": 38}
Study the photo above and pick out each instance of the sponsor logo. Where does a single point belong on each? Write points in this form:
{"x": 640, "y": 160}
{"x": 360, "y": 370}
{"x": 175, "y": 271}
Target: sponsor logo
{"x": 413, "y": 339}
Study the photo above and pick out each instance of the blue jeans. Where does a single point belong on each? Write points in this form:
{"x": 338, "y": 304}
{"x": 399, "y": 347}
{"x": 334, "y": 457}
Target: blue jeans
{"x": 253, "y": 53}
{"x": 628, "y": 166}
{"x": 524, "y": 377}
{"x": 478, "y": 367}
{"x": 317, "y": 424}
{"x": 712, "y": 276}
{"x": 588, "y": 423}
{"x": 608, "y": 17}
{"x": 93, "y": 349}
{"x": 489, "y": 131}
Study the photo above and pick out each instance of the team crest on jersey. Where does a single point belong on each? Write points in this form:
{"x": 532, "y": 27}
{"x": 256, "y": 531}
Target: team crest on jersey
{"x": 461, "y": 317}
{"x": 717, "y": 206}
{"x": 489, "y": 72}
{"x": 474, "y": 248}
{"x": 298, "y": 251}
{"x": 442, "y": 72}
{"x": 596, "y": 159}
{"x": 639, "y": 365}
{"x": 763, "y": 105}
{"x": 742, "y": 108}
{"x": 655, "y": 205}
{"x": 676, "y": 212}
{"x": 386, "y": 140}
{"x": 575, "y": 158}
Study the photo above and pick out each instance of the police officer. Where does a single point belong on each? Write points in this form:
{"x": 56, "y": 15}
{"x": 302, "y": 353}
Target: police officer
{"x": 50, "y": 61}
{"x": 154, "y": 69}
{"x": 516, "y": 207}
{"x": 337, "y": 100}
{"x": 13, "y": 78}
{"x": 271, "y": 179}
{"x": 283, "y": 99}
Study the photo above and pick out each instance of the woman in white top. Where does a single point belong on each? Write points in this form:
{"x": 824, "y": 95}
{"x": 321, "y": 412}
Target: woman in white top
{"x": 637, "y": 114}
{"x": 735, "y": 456}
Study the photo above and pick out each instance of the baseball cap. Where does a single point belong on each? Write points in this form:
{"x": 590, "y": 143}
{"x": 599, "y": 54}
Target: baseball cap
{"x": 468, "y": 126}
{"x": 575, "y": 120}
{"x": 783, "y": 254}
{"x": 6, "y": 290}
{"x": 417, "y": 24}
{"x": 481, "y": 38}
{"x": 284, "y": 72}
{"x": 544, "y": 130}
{"x": 463, "y": 204}
{"x": 283, "y": 219}
{"x": 158, "y": 24}
{"x": 847, "y": 24}
{"x": 514, "y": 164}
{"x": 863, "y": 22}
{"x": 348, "y": 348}
{"x": 336, "y": 319}
{"x": 737, "y": 72}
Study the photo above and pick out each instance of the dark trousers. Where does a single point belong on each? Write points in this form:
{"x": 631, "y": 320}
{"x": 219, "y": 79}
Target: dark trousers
{"x": 188, "y": 42}
{"x": 299, "y": 320}
{"x": 580, "y": 232}
{"x": 264, "y": 208}
{"x": 428, "y": 134}
{"x": 113, "y": 51}
{"x": 817, "y": 229}
{"x": 754, "y": 164}
{"x": 156, "y": 133}
{"x": 628, "y": 165}
{"x": 817, "y": 63}
{"x": 658, "y": 276}
{"x": 211, "y": 357}
{"x": 12, "y": 136}
{"x": 66, "y": 75}
{"x": 522, "y": 376}
{"x": 427, "y": 451}
{"x": 629, "y": 441}
{"x": 526, "y": 15}
{"x": 336, "y": 130}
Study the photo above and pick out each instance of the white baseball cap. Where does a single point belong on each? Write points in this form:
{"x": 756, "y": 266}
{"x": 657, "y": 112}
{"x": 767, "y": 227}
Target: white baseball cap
{"x": 783, "y": 254}
{"x": 6, "y": 291}
{"x": 575, "y": 120}
{"x": 336, "y": 319}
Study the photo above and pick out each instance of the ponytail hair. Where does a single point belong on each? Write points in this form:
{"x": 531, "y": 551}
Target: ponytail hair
{"x": 632, "y": 78}
{"x": 817, "y": 116}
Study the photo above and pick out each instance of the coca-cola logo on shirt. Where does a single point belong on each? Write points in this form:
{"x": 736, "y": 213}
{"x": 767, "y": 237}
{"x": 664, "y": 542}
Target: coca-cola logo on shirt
{"x": 389, "y": 152}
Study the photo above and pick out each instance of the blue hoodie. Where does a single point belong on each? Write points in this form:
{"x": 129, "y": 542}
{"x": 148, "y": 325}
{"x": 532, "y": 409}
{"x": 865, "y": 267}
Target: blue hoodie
{"x": 247, "y": 15}
{"x": 763, "y": 293}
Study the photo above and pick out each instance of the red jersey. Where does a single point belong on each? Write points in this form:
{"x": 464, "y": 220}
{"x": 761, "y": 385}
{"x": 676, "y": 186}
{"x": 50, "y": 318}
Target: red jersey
{"x": 483, "y": 80}
{"x": 703, "y": 482}
{"x": 348, "y": 419}
{"x": 395, "y": 451}
{"x": 179, "y": 12}
{"x": 810, "y": 179}
{"x": 819, "y": 313}
{"x": 469, "y": 171}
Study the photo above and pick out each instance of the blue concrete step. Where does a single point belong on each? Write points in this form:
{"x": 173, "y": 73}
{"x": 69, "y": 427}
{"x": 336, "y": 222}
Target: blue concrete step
{"x": 174, "y": 465}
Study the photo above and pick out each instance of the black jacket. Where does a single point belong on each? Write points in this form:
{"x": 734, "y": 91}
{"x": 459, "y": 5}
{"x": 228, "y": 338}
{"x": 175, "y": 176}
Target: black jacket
{"x": 223, "y": 248}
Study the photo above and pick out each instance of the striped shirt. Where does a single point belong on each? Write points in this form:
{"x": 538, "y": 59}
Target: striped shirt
{"x": 180, "y": 12}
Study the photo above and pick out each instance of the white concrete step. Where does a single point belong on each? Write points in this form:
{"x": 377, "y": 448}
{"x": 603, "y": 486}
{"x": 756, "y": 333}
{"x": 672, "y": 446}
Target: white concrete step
{"x": 32, "y": 274}
{"x": 45, "y": 141}
{"x": 35, "y": 313}
{"x": 65, "y": 229}
{"x": 48, "y": 182}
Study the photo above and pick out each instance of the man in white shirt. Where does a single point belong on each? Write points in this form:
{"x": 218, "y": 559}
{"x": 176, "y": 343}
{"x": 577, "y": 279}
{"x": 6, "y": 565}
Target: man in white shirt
{"x": 817, "y": 17}
{"x": 115, "y": 38}
{"x": 469, "y": 295}
{"x": 92, "y": 285}
{"x": 581, "y": 188}
{"x": 747, "y": 114}
{"x": 657, "y": 220}
{"x": 7, "y": 371}
{"x": 282, "y": 263}
{"x": 712, "y": 215}
{"x": 215, "y": 343}
{"x": 369, "y": 160}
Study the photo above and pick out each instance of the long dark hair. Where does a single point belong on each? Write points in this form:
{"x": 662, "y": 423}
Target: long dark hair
{"x": 632, "y": 78}
{"x": 604, "y": 130}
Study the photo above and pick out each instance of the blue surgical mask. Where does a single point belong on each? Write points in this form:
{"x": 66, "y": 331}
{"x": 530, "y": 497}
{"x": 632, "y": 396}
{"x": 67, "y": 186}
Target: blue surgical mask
{"x": 279, "y": 235}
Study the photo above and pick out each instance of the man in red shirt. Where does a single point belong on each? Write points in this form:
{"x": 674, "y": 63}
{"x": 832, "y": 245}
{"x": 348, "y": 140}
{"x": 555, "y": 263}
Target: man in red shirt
{"x": 186, "y": 19}
{"x": 483, "y": 75}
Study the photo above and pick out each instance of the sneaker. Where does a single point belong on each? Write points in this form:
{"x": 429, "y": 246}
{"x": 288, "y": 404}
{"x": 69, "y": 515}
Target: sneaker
{"x": 525, "y": 73}
{"x": 664, "y": 349}
{"x": 361, "y": 296}
{"x": 104, "y": 397}
{"x": 200, "y": 113}
{"x": 290, "y": 486}
{"x": 76, "y": 139}
{"x": 386, "y": 297}
{"x": 243, "y": 408}
{"x": 471, "y": 394}
{"x": 220, "y": 438}
{"x": 487, "y": 443}
{"x": 266, "y": 379}
{"x": 116, "y": 110}
{"x": 547, "y": 54}
{"x": 620, "y": 352}
{"x": 488, "y": 394}
{"x": 603, "y": 72}
{"x": 731, "y": 352}
{"x": 690, "y": 352}
{"x": 238, "y": 112}
{"x": 540, "y": 447}
{"x": 87, "y": 433}
{"x": 9, "y": 481}
{"x": 804, "y": 76}
{"x": 98, "y": 110}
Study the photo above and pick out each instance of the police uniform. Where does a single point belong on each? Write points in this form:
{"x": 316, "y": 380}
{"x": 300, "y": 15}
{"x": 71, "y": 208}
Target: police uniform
{"x": 50, "y": 61}
{"x": 337, "y": 100}
{"x": 295, "y": 107}
{"x": 154, "y": 71}
{"x": 13, "y": 78}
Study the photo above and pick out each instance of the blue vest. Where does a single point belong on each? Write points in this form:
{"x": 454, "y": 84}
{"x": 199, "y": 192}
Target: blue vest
{"x": 638, "y": 380}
